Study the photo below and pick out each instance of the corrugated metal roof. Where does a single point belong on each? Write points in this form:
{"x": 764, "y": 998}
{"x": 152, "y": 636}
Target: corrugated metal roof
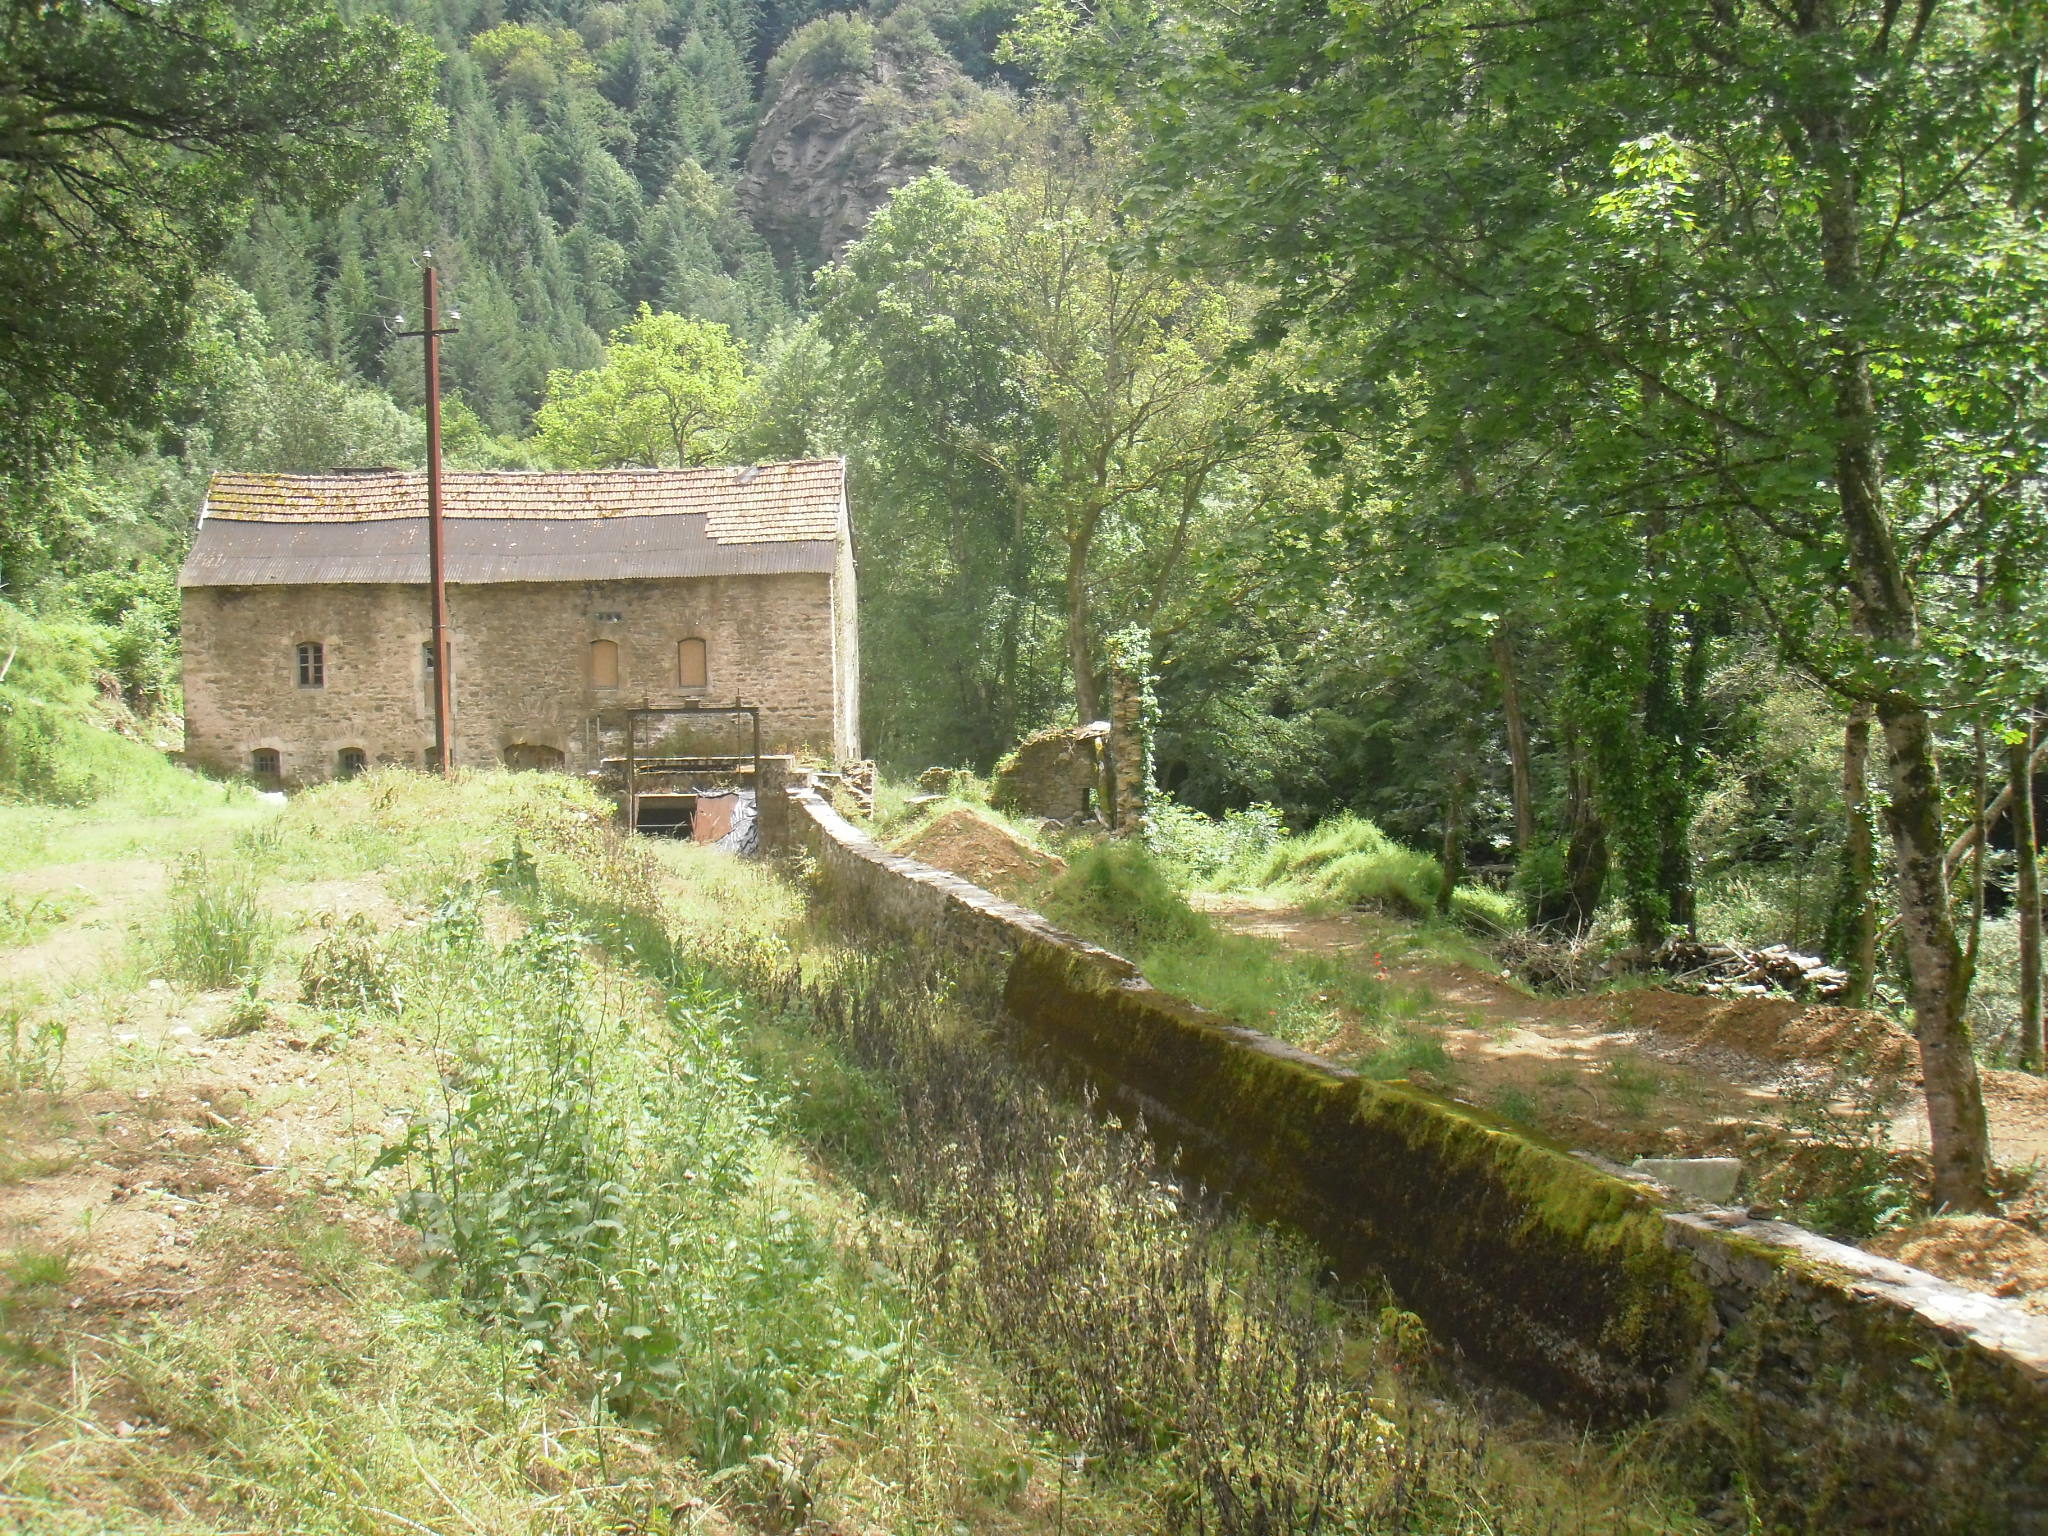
{"x": 269, "y": 530}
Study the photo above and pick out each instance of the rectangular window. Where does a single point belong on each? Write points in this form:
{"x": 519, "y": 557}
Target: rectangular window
{"x": 312, "y": 664}
{"x": 604, "y": 664}
{"x": 427, "y": 657}
{"x": 263, "y": 762}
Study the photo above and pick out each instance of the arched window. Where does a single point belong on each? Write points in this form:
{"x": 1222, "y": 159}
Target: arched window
{"x": 312, "y": 664}
{"x": 692, "y": 669}
{"x": 350, "y": 761}
{"x": 264, "y": 763}
{"x": 604, "y": 664}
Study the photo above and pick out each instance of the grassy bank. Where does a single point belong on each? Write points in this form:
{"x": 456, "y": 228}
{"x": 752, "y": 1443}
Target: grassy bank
{"x": 469, "y": 1168}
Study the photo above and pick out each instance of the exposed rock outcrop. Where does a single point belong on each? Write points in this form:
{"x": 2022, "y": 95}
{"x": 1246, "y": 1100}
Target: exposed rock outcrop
{"x": 832, "y": 148}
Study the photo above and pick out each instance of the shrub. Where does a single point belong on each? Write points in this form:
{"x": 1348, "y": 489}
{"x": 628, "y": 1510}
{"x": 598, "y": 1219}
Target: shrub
{"x": 350, "y": 968}
{"x": 1395, "y": 878}
{"x": 1197, "y": 846}
{"x": 1487, "y": 910}
{"x": 215, "y": 933}
{"x": 1292, "y": 858}
{"x": 831, "y": 47}
{"x": 1118, "y": 891}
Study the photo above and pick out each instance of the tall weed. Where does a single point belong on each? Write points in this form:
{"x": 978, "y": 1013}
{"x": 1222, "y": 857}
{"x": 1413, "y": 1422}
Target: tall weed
{"x": 215, "y": 933}
{"x": 592, "y": 1179}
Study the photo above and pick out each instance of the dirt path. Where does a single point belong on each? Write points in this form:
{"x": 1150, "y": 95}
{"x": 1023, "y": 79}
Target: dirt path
{"x": 1639, "y": 1072}
{"x": 1649, "y": 1072}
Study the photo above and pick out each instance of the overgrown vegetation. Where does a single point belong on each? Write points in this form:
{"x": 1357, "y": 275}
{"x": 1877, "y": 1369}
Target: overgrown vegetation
{"x": 215, "y": 931}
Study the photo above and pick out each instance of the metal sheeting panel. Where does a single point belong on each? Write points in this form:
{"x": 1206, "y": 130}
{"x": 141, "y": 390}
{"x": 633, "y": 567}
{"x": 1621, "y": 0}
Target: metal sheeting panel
{"x": 257, "y": 554}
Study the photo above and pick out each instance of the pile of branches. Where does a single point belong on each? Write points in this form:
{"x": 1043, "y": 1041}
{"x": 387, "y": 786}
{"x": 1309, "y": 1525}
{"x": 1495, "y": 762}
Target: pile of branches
{"x": 1729, "y": 970}
{"x": 1552, "y": 963}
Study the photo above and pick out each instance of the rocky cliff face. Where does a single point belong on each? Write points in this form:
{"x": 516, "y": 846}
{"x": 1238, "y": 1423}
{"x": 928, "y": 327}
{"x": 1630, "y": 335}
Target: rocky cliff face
{"x": 830, "y": 150}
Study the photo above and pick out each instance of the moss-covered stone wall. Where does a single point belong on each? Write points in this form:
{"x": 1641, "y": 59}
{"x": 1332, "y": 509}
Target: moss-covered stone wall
{"x": 1838, "y": 1389}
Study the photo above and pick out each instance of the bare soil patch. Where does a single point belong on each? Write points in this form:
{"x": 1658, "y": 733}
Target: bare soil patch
{"x": 978, "y": 849}
{"x": 1985, "y": 1253}
{"x": 1651, "y": 1072}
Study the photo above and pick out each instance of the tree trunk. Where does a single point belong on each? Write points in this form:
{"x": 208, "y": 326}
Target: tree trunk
{"x": 1453, "y": 860}
{"x": 1667, "y": 789}
{"x": 1518, "y": 740}
{"x": 1980, "y": 780}
{"x": 1881, "y": 607}
{"x": 1080, "y": 653}
{"x": 1570, "y": 908}
{"x": 1852, "y": 925}
{"x": 2027, "y": 893}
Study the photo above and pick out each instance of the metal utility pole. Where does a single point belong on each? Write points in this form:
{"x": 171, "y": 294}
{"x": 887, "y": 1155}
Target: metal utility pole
{"x": 431, "y": 331}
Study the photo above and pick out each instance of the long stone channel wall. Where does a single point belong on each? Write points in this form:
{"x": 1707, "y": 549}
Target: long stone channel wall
{"x": 1858, "y": 1388}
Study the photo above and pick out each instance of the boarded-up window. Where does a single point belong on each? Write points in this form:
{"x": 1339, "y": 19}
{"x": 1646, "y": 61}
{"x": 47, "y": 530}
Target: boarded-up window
{"x": 692, "y": 671}
{"x": 350, "y": 761}
{"x": 312, "y": 664}
{"x": 604, "y": 664}
{"x": 263, "y": 763}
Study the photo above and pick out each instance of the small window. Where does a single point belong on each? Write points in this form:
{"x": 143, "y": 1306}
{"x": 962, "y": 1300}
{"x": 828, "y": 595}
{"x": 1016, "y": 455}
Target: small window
{"x": 264, "y": 763}
{"x": 312, "y": 664}
{"x": 350, "y": 761}
{"x": 427, "y": 656}
{"x": 691, "y": 668}
{"x": 604, "y": 664}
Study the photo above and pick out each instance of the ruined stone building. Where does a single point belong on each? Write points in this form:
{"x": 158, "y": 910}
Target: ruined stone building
{"x": 572, "y": 597}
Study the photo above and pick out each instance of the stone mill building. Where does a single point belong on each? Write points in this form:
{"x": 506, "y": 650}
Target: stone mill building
{"x": 572, "y": 598}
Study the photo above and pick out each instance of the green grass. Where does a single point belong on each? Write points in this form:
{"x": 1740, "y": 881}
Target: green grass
{"x": 1350, "y": 862}
{"x": 1117, "y": 895}
{"x": 216, "y": 932}
{"x": 711, "y": 1209}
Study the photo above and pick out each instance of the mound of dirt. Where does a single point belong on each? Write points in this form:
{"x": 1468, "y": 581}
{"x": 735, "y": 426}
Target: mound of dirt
{"x": 977, "y": 849}
{"x": 1984, "y": 1253}
{"x": 1774, "y": 1029}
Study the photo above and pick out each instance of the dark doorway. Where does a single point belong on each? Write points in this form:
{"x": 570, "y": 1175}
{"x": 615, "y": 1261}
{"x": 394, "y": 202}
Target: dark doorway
{"x": 525, "y": 757}
{"x": 668, "y": 815}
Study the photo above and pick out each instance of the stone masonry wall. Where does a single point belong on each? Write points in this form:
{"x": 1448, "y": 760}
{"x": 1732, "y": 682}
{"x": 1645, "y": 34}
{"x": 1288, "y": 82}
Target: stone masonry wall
{"x": 522, "y": 657}
{"x": 1843, "y": 1390}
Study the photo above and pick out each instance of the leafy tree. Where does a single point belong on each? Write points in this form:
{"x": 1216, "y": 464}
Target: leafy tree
{"x": 1086, "y": 392}
{"x": 134, "y": 140}
{"x": 672, "y": 390}
{"x": 1775, "y": 271}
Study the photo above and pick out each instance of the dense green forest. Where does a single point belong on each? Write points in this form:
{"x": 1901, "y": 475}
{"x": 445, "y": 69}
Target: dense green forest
{"x": 1604, "y": 446}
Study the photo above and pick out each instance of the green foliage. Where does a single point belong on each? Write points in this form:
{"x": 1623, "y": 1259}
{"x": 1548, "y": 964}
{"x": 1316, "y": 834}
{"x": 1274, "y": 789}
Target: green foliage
{"x": 63, "y": 740}
{"x": 1349, "y": 860}
{"x": 142, "y": 138}
{"x": 1055, "y": 425}
{"x": 349, "y": 967}
{"x": 671, "y": 391}
{"x": 581, "y": 1176}
{"x": 1840, "y": 1176}
{"x": 1198, "y": 847}
{"x": 216, "y": 931}
{"x": 35, "y": 1051}
{"x": 1117, "y": 889}
{"x": 832, "y": 47}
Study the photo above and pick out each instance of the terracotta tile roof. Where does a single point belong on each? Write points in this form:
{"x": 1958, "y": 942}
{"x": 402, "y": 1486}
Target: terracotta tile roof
{"x": 749, "y": 504}
{"x": 371, "y": 525}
